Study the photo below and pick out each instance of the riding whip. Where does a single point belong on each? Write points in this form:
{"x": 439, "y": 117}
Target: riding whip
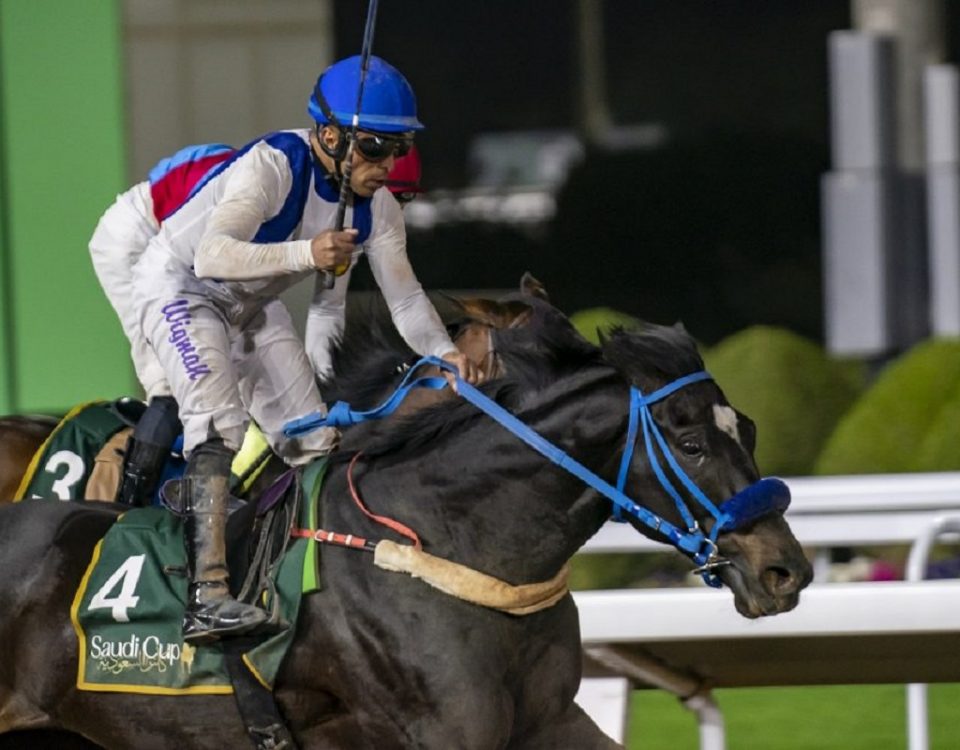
{"x": 330, "y": 278}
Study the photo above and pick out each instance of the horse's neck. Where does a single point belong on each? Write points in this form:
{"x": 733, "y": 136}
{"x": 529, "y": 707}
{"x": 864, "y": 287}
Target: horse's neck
{"x": 482, "y": 498}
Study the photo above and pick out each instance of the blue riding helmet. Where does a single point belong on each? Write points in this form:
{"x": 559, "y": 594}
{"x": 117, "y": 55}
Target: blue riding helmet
{"x": 389, "y": 105}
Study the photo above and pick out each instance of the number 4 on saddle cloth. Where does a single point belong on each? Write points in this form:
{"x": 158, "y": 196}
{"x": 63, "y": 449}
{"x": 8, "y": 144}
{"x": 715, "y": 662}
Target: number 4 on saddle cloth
{"x": 128, "y": 609}
{"x": 82, "y": 459}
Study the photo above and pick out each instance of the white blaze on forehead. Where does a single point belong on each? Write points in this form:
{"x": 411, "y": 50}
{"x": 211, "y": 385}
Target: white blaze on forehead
{"x": 726, "y": 419}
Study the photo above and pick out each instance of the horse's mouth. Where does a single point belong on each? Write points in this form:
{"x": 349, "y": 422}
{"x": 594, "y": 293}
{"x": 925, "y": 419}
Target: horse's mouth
{"x": 764, "y": 606}
{"x": 752, "y": 599}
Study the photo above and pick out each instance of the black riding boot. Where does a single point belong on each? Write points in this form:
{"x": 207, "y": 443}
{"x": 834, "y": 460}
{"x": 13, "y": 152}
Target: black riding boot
{"x": 147, "y": 451}
{"x": 211, "y": 611}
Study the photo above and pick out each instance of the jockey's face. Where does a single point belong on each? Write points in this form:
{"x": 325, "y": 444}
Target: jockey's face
{"x": 373, "y": 158}
{"x": 368, "y": 176}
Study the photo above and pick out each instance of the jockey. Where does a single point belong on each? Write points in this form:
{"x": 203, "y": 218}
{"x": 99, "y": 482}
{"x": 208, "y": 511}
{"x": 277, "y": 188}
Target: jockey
{"x": 205, "y": 295}
{"x": 118, "y": 242}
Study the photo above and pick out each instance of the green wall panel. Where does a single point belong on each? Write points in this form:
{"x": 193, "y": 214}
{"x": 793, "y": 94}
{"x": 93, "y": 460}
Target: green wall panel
{"x": 63, "y": 151}
{"x": 6, "y": 363}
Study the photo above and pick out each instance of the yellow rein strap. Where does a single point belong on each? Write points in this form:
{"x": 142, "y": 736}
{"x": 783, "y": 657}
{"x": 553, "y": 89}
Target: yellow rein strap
{"x": 471, "y": 585}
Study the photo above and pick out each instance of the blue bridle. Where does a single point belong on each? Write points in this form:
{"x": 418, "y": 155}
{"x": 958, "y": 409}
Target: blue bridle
{"x": 768, "y": 495}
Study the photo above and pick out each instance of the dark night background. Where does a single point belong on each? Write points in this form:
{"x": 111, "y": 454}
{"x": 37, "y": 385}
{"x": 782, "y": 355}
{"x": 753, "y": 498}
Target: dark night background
{"x": 718, "y": 228}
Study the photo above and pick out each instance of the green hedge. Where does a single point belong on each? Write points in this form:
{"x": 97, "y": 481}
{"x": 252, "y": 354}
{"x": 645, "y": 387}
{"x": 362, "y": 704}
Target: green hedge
{"x": 792, "y": 390}
{"x": 813, "y": 413}
{"x": 909, "y": 419}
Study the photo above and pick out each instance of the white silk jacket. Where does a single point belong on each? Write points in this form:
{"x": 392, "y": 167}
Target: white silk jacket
{"x": 244, "y": 237}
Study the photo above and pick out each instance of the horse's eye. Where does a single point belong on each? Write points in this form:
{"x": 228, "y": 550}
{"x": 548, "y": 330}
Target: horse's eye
{"x": 690, "y": 448}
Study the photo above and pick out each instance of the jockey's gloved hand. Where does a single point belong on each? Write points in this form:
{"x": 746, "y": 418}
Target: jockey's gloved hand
{"x": 467, "y": 369}
{"x": 332, "y": 250}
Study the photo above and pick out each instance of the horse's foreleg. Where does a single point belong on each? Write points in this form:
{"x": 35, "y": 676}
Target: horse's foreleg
{"x": 573, "y": 729}
{"x": 16, "y": 712}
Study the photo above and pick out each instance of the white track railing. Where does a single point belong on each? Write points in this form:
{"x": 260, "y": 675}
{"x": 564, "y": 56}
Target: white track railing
{"x": 826, "y": 512}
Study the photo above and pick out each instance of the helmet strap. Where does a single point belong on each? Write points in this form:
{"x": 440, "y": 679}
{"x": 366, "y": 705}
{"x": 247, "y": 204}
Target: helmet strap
{"x": 336, "y": 153}
{"x": 335, "y": 175}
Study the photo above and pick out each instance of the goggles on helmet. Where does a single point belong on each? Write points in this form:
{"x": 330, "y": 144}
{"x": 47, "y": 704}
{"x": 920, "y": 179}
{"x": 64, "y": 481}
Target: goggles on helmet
{"x": 373, "y": 147}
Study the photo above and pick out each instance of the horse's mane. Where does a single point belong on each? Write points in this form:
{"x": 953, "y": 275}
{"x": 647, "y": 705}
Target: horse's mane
{"x": 652, "y": 351}
{"x": 546, "y": 348}
{"x": 366, "y": 360}
{"x": 544, "y": 351}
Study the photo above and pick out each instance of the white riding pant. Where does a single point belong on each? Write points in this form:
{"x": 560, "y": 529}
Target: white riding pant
{"x": 225, "y": 362}
{"x": 118, "y": 242}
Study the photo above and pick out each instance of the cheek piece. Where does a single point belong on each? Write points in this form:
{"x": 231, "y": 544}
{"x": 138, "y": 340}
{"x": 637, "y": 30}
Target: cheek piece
{"x": 768, "y": 495}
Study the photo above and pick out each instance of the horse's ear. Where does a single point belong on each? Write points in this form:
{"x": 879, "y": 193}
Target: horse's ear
{"x": 476, "y": 308}
{"x": 486, "y": 311}
{"x": 499, "y": 315}
{"x": 530, "y": 285}
{"x": 516, "y": 314}
{"x": 456, "y": 301}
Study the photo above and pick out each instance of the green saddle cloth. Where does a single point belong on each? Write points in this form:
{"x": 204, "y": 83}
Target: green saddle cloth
{"x": 62, "y": 466}
{"x": 129, "y": 607}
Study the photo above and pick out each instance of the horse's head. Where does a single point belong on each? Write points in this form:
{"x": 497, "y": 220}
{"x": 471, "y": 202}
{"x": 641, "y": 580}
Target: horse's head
{"x": 539, "y": 356}
{"x": 757, "y": 555}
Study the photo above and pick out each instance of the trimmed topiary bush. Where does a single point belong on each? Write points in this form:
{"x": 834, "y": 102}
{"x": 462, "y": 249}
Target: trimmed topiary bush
{"x": 906, "y": 421}
{"x": 792, "y": 390}
{"x": 940, "y": 449}
{"x": 594, "y": 319}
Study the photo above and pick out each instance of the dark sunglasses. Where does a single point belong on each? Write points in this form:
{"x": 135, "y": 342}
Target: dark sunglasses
{"x": 377, "y": 147}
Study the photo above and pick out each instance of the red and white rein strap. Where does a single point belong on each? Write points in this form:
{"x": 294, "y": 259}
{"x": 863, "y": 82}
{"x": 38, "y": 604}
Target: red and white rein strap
{"x": 349, "y": 540}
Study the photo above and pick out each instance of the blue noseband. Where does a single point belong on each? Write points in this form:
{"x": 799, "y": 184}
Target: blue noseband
{"x": 766, "y": 496}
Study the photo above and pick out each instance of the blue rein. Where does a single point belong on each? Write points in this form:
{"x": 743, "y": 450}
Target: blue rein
{"x": 769, "y": 495}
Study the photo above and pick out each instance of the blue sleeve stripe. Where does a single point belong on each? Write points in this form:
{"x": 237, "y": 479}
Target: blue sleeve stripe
{"x": 297, "y": 152}
{"x": 362, "y": 218}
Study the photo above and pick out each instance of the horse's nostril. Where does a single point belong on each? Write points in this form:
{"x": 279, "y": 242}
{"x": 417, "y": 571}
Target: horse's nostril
{"x": 779, "y": 580}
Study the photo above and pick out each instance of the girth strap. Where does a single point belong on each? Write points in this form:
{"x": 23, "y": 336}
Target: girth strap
{"x": 261, "y": 716}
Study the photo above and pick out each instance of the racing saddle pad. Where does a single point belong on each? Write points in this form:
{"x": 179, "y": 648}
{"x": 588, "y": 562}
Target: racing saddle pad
{"x": 128, "y": 608}
{"x": 83, "y": 456}
{"x": 82, "y": 459}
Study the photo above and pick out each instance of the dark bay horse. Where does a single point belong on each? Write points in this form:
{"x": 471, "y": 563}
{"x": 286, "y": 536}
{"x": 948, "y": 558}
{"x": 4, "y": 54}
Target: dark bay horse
{"x": 382, "y": 660}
